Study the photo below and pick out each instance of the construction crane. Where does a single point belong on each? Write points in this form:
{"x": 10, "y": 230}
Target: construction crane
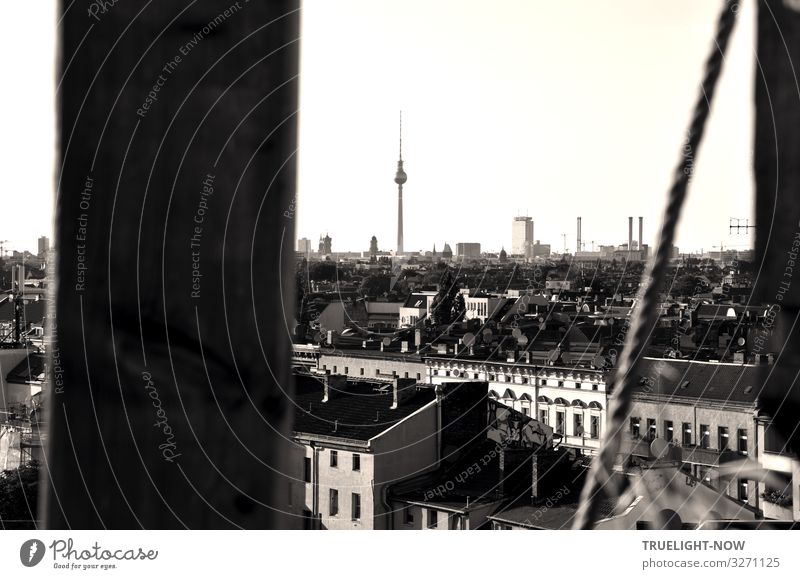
{"x": 736, "y": 225}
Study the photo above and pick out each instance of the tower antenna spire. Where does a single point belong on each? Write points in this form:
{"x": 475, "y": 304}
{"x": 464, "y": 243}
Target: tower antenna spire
{"x": 401, "y": 135}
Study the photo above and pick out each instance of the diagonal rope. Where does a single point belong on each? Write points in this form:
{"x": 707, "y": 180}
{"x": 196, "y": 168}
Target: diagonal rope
{"x": 646, "y": 315}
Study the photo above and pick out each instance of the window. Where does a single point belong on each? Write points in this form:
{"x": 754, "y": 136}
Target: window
{"x": 408, "y": 516}
{"x": 773, "y": 442}
{"x": 560, "y": 383}
{"x": 333, "y": 508}
{"x": 651, "y": 428}
{"x": 578, "y": 385}
{"x": 668, "y": 430}
{"x": 577, "y": 424}
{"x": 686, "y": 438}
{"x": 346, "y": 369}
{"x": 455, "y": 523}
{"x": 741, "y": 437}
{"x": 594, "y": 427}
{"x": 594, "y": 386}
{"x": 334, "y": 459}
{"x": 334, "y": 369}
{"x": 635, "y": 426}
{"x": 307, "y": 470}
{"x": 526, "y": 411}
{"x": 406, "y": 375}
{"x": 419, "y": 376}
{"x": 356, "y": 462}
{"x": 361, "y": 371}
{"x": 560, "y": 421}
{"x": 722, "y": 438}
{"x": 356, "y": 506}
{"x": 543, "y": 416}
{"x": 433, "y": 519}
{"x": 743, "y": 489}
{"x": 705, "y": 435}
{"x": 377, "y": 371}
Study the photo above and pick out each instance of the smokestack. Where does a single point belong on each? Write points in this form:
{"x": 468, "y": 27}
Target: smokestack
{"x": 579, "y": 235}
{"x": 630, "y": 234}
{"x": 641, "y": 220}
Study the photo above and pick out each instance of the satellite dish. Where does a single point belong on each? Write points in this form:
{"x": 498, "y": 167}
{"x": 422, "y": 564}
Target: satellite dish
{"x": 487, "y": 335}
{"x": 516, "y": 333}
{"x": 543, "y": 326}
{"x": 456, "y": 373}
{"x": 740, "y": 341}
{"x": 553, "y": 355}
{"x": 522, "y": 340}
{"x": 387, "y": 341}
{"x": 658, "y": 448}
{"x": 469, "y": 339}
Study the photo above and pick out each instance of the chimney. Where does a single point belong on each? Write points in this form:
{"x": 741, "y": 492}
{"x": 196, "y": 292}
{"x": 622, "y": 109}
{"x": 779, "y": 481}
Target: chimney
{"x": 334, "y": 385}
{"x": 630, "y": 234}
{"x": 579, "y": 235}
{"x": 402, "y": 389}
{"x": 641, "y": 226}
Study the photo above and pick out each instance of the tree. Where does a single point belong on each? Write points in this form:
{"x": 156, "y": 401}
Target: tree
{"x": 19, "y": 494}
{"x": 459, "y": 308}
{"x": 375, "y": 285}
{"x": 442, "y": 306}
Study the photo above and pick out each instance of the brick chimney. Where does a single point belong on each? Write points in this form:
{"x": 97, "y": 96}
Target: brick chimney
{"x": 402, "y": 389}
{"x": 334, "y": 385}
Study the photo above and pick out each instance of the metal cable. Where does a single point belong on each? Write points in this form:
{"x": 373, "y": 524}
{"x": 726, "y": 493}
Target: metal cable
{"x": 645, "y": 315}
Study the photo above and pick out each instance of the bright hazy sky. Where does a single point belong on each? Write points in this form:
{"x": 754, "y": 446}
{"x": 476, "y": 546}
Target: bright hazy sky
{"x": 27, "y": 123}
{"x": 554, "y": 109}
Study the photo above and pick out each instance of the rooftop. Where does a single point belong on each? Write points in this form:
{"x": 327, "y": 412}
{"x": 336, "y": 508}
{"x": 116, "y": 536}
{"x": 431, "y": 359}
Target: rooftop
{"x": 728, "y": 383}
{"x": 359, "y": 412}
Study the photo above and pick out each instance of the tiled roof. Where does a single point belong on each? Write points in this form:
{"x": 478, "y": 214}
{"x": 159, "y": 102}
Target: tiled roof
{"x": 733, "y": 383}
{"x": 360, "y": 412}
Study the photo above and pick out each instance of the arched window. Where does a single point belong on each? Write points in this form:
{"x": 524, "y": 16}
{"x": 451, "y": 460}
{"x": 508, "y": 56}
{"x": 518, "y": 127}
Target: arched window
{"x": 493, "y": 394}
{"x": 595, "y": 405}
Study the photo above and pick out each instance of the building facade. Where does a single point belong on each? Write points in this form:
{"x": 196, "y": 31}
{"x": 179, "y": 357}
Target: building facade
{"x": 521, "y": 236}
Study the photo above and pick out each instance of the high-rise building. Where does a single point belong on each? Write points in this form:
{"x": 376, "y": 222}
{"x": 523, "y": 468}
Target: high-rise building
{"x": 373, "y": 247}
{"x": 468, "y": 250}
{"x": 521, "y": 235}
{"x": 44, "y": 246}
{"x": 400, "y": 178}
{"x": 304, "y": 246}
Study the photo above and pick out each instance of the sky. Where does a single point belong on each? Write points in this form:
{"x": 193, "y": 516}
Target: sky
{"x": 27, "y": 123}
{"x": 550, "y": 109}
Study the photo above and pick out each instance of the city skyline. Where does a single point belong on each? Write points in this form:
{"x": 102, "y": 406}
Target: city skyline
{"x": 459, "y": 97}
{"x": 493, "y": 129}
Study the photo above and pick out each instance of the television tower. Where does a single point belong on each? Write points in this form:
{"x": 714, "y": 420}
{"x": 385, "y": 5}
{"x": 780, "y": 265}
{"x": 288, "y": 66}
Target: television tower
{"x": 400, "y": 178}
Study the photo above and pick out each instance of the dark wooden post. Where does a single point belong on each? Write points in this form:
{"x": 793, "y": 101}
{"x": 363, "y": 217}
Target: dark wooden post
{"x": 175, "y": 266}
{"x": 777, "y": 171}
